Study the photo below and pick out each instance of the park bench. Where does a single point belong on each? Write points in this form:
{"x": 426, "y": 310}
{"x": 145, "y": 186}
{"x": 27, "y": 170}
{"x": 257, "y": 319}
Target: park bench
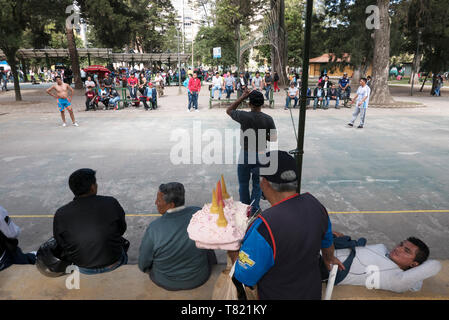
{"x": 126, "y": 101}
{"x": 230, "y": 100}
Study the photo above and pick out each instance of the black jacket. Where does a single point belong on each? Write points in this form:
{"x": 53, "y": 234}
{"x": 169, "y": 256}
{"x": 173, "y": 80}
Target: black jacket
{"x": 89, "y": 230}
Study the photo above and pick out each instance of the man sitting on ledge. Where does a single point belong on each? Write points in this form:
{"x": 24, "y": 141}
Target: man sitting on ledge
{"x": 167, "y": 253}
{"x": 89, "y": 229}
{"x": 402, "y": 269}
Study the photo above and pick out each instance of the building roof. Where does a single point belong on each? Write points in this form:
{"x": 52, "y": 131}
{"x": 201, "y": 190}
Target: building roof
{"x": 330, "y": 57}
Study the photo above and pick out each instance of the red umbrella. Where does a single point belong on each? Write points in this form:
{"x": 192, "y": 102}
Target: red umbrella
{"x": 96, "y": 69}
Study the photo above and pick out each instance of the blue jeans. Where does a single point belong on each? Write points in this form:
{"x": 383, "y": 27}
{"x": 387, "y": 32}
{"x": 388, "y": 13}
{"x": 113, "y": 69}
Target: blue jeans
{"x": 194, "y": 99}
{"x": 123, "y": 260}
{"x": 248, "y": 169}
{"x": 190, "y": 99}
{"x": 337, "y": 100}
{"x": 114, "y": 101}
{"x": 17, "y": 257}
{"x": 287, "y": 104}
{"x": 133, "y": 92}
{"x": 213, "y": 91}
{"x": 229, "y": 91}
{"x": 437, "y": 91}
{"x": 267, "y": 92}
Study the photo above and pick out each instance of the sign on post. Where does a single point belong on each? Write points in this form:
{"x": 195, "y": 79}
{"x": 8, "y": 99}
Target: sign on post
{"x": 217, "y": 53}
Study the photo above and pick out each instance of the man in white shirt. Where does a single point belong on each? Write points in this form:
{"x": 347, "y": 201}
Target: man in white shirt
{"x": 257, "y": 82}
{"x": 293, "y": 93}
{"x": 10, "y": 253}
{"x": 402, "y": 269}
{"x": 217, "y": 84}
{"x": 89, "y": 83}
{"x": 362, "y": 98}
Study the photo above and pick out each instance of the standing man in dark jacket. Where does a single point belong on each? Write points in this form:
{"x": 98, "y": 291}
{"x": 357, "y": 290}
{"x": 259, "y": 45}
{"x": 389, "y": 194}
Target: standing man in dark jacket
{"x": 256, "y": 129}
{"x": 89, "y": 229}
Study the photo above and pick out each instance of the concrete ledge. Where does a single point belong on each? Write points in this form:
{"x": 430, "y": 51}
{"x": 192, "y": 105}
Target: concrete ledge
{"x": 128, "y": 283}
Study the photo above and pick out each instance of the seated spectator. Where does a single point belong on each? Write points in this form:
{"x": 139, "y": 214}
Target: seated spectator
{"x": 167, "y": 253}
{"x": 89, "y": 229}
{"x": 332, "y": 94}
{"x": 402, "y": 269}
{"x": 108, "y": 82}
{"x": 319, "y": 96}
{"x": 150, "y": 95}
{"x": 114, "y": 98}
{"x": 132, "y": 86}
{"x": 89, "y": 83}
{"x": 10, "y": 253}
{"x": 292, "y": 93}
{"x": 103, "y": 96}
{"x": 91, "y": 99}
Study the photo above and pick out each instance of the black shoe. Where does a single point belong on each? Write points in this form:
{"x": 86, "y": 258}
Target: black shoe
{"x": 350, "y": 124}
{"x": 360, "y": 127}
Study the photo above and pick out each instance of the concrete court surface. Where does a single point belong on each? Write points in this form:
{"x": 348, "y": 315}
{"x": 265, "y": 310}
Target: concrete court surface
{"x": 397, "y": 164}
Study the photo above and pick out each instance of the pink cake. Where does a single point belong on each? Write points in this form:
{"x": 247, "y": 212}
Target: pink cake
{"x": 203, "y": 228}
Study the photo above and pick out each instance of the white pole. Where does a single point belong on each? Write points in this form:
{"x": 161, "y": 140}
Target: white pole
{"x": 330, "y": 282}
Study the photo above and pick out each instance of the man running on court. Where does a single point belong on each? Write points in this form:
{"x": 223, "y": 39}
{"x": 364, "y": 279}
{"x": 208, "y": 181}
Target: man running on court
{"x": 63, "y": 99}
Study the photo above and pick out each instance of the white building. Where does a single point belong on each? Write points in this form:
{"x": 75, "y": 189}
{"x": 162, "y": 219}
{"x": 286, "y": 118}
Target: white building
{"x": 190, "y": 18}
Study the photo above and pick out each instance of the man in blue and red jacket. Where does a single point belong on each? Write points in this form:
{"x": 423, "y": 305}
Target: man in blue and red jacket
{"x": 280, "y": 251}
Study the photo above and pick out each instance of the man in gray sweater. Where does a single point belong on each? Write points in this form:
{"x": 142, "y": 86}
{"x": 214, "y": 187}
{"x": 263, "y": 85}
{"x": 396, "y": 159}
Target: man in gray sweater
{"x": 166, "y": 252}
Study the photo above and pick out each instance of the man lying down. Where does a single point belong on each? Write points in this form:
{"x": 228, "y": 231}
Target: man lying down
{"x": 402, "y": 269}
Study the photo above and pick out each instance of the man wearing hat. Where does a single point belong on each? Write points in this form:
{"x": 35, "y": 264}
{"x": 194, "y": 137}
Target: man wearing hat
{"x": 256, "y": 129}
{"x": 280, "y": 251}
{"x": 343, "y": 86}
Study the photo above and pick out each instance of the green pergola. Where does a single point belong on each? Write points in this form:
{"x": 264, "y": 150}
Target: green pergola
{"x": 103, "y": 53}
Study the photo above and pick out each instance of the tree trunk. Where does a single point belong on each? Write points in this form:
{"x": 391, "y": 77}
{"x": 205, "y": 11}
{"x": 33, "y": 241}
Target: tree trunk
{"x": 11, "y": 59}
{"x": 279, "y": 40}
{"x": 359, "y": 72}
{"x": 74, "y": 59}
{"x": 380, "y": 93}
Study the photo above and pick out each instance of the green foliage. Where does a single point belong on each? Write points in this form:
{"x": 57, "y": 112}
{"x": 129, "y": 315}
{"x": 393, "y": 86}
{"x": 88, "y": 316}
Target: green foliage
{"x": 211, "y": 37}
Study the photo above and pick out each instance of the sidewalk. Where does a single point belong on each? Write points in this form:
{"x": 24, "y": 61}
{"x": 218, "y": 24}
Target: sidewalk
{"x": 128, "y": 283}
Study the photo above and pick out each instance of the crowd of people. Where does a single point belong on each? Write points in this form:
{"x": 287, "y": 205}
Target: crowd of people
{"x": 280, "y": 252}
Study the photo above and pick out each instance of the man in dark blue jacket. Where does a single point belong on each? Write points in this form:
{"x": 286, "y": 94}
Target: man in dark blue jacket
{"x": 280, "y": 251}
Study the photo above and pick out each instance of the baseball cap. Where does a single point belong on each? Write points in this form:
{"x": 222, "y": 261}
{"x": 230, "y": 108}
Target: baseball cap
{"x": 256, "y": 98}
{"x": 287, "y": 170}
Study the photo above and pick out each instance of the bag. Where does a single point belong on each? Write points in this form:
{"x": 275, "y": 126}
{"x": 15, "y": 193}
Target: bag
{"x": 224, "y": 288}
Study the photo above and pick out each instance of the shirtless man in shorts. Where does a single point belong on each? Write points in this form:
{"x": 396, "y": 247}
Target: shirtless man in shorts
{"x": 63, "y": 99}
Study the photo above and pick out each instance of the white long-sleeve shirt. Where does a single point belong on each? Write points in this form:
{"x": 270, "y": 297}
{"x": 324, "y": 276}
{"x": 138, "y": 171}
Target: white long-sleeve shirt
{"x": 372, "y": 268}
{"x": 217, "y": 82}
{"x": 7, "y": 227}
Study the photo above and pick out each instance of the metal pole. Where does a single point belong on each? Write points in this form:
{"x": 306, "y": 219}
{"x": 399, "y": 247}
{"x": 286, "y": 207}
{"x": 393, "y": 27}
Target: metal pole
{"x": 416, "y": 63}
{"x": 299, "y": 152}
{"x": 179, "y": 67}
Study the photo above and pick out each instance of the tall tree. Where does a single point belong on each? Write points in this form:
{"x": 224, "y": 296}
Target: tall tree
{"x": 381, "y": 61}
{"x": 12, "y": 25}
{"x": 279, "y": 41}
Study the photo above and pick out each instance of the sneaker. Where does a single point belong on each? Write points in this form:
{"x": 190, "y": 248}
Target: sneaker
{"x": 350, "y": 125}
{"x": 75, "y": 124}
{"x": 196, "y": 110}
{"x": 285, "y": 108}
{"x": 64, "y": 124}
{"x": 360, "y": 127}
{"x": 188, "y": 110}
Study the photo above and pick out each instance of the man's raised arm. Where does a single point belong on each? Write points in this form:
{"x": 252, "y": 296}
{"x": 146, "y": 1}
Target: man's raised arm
{"x": 236, "y": 103}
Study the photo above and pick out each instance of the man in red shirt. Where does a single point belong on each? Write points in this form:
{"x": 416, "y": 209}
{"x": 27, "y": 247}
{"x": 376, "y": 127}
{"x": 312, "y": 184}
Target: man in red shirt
{"x": 132, "y": 86}
{"x": 195, "y": 88}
